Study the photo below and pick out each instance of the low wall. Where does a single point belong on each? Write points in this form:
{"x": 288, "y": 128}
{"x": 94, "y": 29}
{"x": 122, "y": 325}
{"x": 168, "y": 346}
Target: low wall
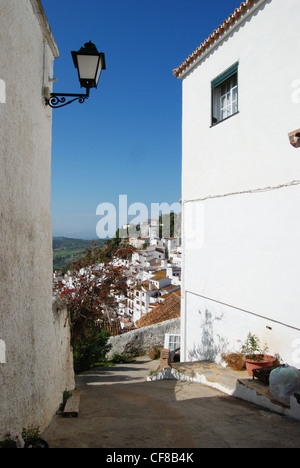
{"x": 141, "y": 341}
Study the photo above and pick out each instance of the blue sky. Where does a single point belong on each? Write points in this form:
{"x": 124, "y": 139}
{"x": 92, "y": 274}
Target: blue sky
{"x": 126, "y": 139}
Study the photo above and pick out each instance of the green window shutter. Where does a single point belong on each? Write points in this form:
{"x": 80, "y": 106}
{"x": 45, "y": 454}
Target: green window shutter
{"x": 225, "y": 76}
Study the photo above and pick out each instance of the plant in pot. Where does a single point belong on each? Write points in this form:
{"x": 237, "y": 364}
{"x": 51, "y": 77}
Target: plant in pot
{"x": 234, "y": 360}
{"x": 11, "y": 440}
{"x": 255, "y": 355}
{"x": 29, "y": 438}
{"x": 32, "y": 438}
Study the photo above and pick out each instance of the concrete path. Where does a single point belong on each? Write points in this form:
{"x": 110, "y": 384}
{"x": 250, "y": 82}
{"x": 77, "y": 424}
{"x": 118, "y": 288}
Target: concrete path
{"x": 120, "y": 409}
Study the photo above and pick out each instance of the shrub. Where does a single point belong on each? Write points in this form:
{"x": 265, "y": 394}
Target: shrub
{"x": 31, "y": 436}
{"x": 90, "y": 348}
{"x": 252, "y": 347}
{"x": 120, "y": 358}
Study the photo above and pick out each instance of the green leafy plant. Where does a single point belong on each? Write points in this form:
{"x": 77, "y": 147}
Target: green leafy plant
{"x": 104, "y": 364}
{"x": 66, "y": 396}
{"x": 31, "y": 436}
{"x": 253, "y": 349}
{"x": 120, "y": 358}
{"x": 90, "y": 348}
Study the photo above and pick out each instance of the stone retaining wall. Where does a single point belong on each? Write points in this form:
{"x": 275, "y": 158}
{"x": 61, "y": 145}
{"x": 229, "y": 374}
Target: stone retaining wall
{"x": 141, "y": 341}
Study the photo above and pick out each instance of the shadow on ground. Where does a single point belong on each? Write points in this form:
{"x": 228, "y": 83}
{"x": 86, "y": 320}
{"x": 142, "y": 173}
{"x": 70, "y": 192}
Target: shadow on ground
{"x": 120, "y": 409}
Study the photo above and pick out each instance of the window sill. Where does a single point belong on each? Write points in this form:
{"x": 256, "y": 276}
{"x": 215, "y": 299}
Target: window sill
{"x": 224, "y": 120}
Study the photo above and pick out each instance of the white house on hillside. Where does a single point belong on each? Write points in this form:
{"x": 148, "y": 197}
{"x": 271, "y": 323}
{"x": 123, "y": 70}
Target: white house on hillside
{"x": 149, "y": 255}
{"x": 144, "y": 295}
{"x": 241, "y": 185}
{"x": 171, "y": 244}
{"x": 150, "y": 228}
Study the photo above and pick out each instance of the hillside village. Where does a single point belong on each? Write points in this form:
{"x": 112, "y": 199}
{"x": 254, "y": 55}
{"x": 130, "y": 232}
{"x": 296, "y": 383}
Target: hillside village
{"x": 237, "y": 268}
{"x": 153, "y": 274}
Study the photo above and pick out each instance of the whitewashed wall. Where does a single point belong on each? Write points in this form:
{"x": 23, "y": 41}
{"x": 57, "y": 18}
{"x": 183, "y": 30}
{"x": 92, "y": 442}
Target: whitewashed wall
{"x": 37, "y": 367}
{"x": 241, "y": 266}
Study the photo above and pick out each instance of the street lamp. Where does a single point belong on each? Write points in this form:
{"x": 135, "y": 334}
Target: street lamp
{"x": 89, "y": 63}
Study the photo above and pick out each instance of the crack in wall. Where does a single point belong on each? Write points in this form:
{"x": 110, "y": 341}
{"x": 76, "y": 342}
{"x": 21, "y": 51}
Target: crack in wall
{"x": 244, "y": 192}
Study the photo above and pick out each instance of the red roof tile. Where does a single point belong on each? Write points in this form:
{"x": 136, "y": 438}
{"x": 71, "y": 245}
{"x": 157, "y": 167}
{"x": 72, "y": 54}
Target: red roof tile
{"x": 167, "y": 310}
{"x": 215, "y": 35}
{"x": 159, "y": 275}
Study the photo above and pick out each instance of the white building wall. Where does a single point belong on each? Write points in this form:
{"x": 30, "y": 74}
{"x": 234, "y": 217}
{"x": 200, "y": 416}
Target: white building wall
{"x": 248, "y": 274}
{"x": 38, "y": 362}
{"x": 241, "y": 263}
{"x": 249, "y": 150}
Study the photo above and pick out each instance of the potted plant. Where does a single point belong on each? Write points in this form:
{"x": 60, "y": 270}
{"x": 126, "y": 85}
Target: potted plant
{"x": 255, "y": 356}
{"x": 32, "y": 438}
{"x": 12, "y": 440}
{"x": 234, "y": 360}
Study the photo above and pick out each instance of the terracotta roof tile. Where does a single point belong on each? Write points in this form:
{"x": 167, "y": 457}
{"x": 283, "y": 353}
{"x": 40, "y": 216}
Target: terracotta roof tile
{"x": 146, "y": 286}
{"x": 159, "y": 275}
{"x": 167, "y": 310}
{"x": 215, "y": 35}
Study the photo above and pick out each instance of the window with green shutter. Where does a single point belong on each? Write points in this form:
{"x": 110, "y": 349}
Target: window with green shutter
{"x": 225, "y": 95}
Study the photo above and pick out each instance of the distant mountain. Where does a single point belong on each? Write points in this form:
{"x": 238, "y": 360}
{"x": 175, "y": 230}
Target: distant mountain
{"x": 67, "y": 250}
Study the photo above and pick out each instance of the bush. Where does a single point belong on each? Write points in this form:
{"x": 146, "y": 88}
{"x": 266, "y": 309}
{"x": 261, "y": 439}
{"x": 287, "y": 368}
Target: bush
{"x": 120, "y": 358}
{"x": 31, "y": 436}
{"x": 90, "y": 348}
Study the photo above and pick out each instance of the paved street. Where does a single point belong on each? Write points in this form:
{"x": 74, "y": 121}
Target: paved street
{"x": 120, "y": 409}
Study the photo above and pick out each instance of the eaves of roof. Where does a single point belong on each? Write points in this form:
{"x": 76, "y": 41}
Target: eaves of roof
{"x": 45, "y": 27}
{"x": 217, "y": 35}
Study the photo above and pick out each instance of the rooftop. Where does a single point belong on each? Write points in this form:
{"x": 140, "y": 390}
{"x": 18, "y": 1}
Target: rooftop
{"x": 169, "y": 309}
{"x": 45, "y": 27}
{"x": 159, "y": 275}
{"x": 216, "y": 35}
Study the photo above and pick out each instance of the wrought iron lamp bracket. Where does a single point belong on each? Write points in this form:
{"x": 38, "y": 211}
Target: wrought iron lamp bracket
{"x": 57, "y": 100}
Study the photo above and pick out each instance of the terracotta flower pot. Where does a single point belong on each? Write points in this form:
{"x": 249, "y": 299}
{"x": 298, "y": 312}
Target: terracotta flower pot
{"x": 262, "y": 360}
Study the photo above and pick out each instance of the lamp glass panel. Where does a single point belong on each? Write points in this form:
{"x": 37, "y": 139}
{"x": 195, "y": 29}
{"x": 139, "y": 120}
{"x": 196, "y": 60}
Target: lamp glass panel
{"x": 87, "y": 66}
{"x": 99, "y": 70}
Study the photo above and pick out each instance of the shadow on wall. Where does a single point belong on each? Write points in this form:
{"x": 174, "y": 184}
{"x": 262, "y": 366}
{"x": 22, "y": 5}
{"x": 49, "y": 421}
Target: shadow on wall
{"x": 210, "y": 344}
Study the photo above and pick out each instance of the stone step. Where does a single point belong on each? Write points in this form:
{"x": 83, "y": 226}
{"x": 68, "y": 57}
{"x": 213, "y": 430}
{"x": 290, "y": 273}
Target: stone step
{"x": 71, "y": 409}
